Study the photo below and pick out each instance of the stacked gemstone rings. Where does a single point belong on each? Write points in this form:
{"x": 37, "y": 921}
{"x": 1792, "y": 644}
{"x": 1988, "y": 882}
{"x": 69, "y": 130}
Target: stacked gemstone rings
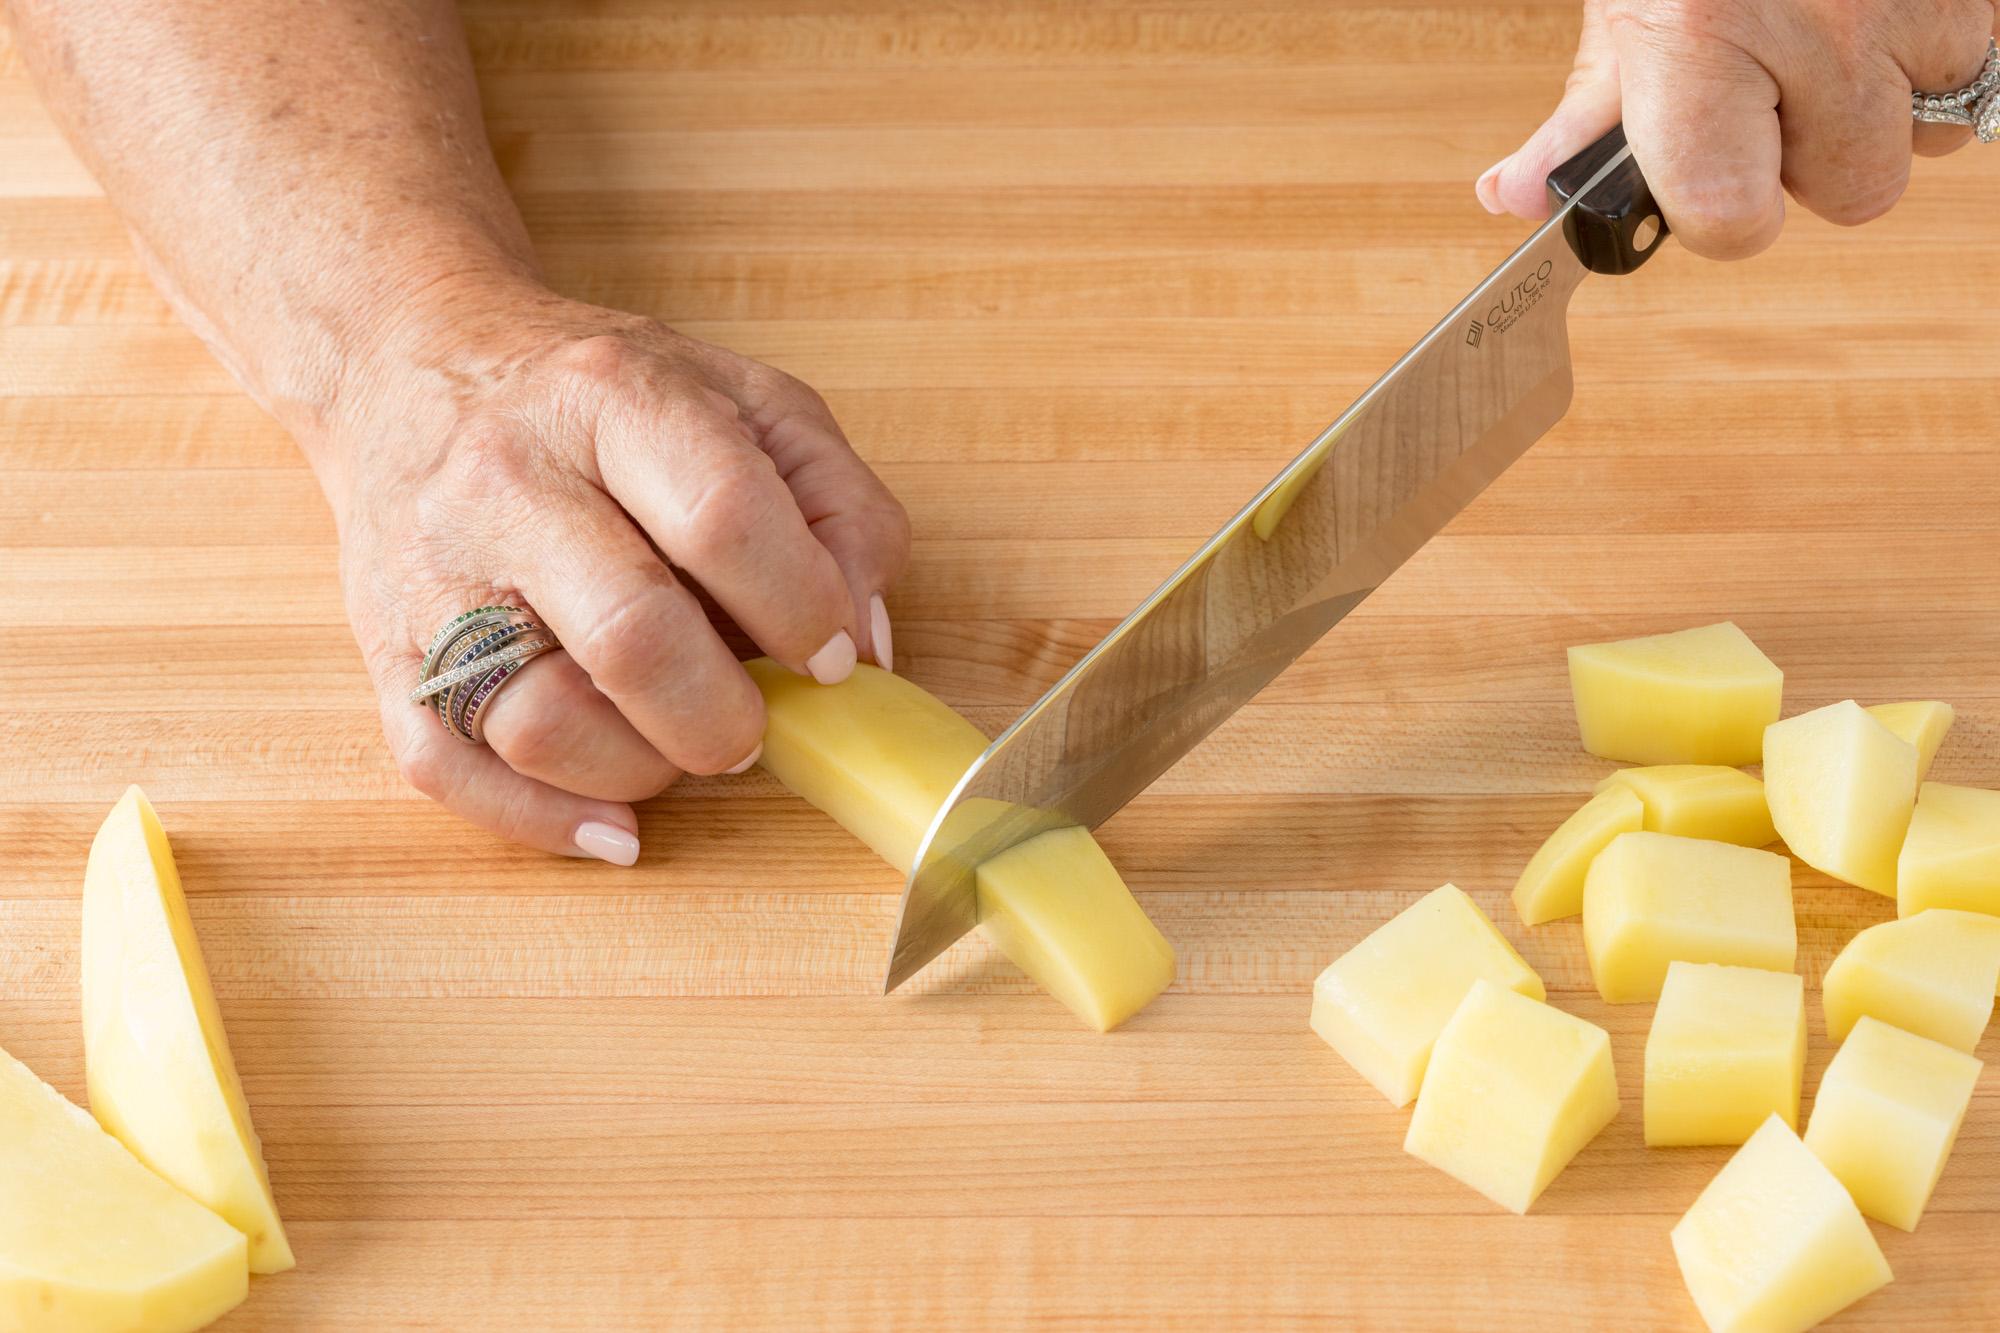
{"x": 471, "y": 658}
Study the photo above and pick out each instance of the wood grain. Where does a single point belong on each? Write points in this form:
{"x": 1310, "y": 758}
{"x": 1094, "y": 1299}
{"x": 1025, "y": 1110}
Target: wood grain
{"x": 1076, "y": 278}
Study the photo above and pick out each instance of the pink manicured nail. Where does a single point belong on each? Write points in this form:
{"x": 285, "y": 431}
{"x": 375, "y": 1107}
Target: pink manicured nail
{"x": 744, "y": 767}
{"x": 878, "y": 633}
{"x": 607, "y": 842}
{"x": 835, "y": 662}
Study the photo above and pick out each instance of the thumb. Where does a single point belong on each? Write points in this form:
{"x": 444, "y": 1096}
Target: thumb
{"x": 1589, "y": 106}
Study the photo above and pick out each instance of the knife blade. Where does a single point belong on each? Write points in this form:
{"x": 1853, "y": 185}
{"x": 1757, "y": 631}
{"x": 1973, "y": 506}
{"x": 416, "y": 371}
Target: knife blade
{"x": 1484, "y": 384}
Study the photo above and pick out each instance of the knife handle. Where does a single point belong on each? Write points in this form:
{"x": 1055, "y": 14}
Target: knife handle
{"x": 1617, "y": 226}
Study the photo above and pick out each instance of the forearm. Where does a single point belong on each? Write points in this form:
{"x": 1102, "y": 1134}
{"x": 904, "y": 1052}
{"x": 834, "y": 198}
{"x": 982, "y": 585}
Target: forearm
{"x": 302, "y": 179}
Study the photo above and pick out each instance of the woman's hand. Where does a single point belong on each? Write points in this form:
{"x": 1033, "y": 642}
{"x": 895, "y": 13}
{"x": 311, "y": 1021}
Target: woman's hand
{"x": 1728, "y": 104}
{"x": 588, "y": 465}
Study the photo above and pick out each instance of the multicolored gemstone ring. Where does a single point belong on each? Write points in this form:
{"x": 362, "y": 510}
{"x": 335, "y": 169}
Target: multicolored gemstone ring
{"x": 470, "y": 658}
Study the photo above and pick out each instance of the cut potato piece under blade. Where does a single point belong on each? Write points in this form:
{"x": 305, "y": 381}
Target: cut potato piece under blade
{"x": 156, "y": 1057}
{"x": 1652, "y": 898}
{"x": 1841, "y": 786}
{"x": 1383, "y": 1002}
{"x": 1933, "y": 974}
{"x": 1700, "y": 801}
{"x": 90, "y": 1240}
{"x": 1923, "y": 723}
{"x": 1698, "y": 696}
{"x": 1551, "y": 886}
{"x": 1774, "y": 1244}
{"x": 1951, "y": 855}
{"x": 881, "y": 755}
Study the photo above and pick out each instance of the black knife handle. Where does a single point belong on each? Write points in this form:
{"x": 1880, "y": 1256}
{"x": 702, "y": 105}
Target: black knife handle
{"x": 1617, "y": 226}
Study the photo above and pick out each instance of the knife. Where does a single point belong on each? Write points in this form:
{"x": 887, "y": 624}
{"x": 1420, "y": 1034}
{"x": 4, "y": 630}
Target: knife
{"x": 1484, "y": 384}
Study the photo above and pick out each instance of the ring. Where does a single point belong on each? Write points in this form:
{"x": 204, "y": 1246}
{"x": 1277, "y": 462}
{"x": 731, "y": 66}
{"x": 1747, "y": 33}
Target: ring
{"x": 470, "y": 657}
{"x": 1975, "y": 106}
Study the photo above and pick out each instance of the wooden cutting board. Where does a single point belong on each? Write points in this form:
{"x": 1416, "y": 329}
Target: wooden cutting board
{"x": 1076, "y": 278}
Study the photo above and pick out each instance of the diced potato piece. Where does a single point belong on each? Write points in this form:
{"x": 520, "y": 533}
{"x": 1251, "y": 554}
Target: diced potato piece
{"x": 1933, "y": 974}
{"x": 1652, "y": 898}
{"x": 1921, "y": 723}
{"x": 1515, "y": 1090}
{"x": 1886, "y": 1115}
{"x": 1841, "y": 786}
{"x": 1700, "y": 801}
{"x": 156, "y": 1057}
{"x": 90, "y": 1240}
{"x": 1727, "y": 1050}
{"x": 1774, "y": 1244}
{"x": 1698, "y": 696}
{"x": 880, "y": 755}
{"x": 1951, "y": 856}
{"x": 1552, "y": 884}
{"x": 1056, "y": 906}
{"x": 1383, "y": 1002}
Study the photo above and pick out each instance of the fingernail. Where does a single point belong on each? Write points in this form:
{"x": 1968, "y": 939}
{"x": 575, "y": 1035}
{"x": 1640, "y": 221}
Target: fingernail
{"x": 835, "y": 662}
{"x": 607, "y": 842}
{"x": 744, "y": 767}
{"x": 878, "y": 633}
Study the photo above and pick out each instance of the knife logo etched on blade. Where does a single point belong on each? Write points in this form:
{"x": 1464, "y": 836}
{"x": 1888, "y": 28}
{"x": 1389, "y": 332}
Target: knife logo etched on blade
{"x": 1484, "y": 384}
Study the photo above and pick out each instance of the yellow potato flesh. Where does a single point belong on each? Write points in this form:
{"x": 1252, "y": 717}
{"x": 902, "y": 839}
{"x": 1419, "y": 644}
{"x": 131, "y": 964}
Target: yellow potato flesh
{"x": 1886, "y": 1115}
{"x": 1923, "y": 723}
{"x": 1514, "y": 1091}
{"x": 1951, "y": 855}
{"x": 1726, "y": 1051}
{"x": 1699, "y": 696}
{"x": 1383, "y": 1002}
{"x": 156, "y": 1058}
{"x": 90, "y": 1240}
{"x": 1551, "y": 886}
{"x": 1652, "y": 898}
{"x": 1933, "y": 974}
{"x": 1774, "y": 1244}
{"x": 880, "y": 755}
{"x": 1700, "y": 801}
{"x": 1841, "y": 786}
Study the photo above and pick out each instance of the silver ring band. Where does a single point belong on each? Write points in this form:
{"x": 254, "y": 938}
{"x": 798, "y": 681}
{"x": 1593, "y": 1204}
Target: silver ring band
{"x": 468, "y": 660}
{"x": 1975, "y": 107}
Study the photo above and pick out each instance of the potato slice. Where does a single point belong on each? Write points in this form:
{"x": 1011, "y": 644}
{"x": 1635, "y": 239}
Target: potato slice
{"x": 1700, "y": 801}
{"x": 1383, "y": 1002}
{"x": 90, "y": 1240}
{"x": 156, "y": 1057}
{"x": 1922, "y": 723}
{"x": 1699, "y": 696}
{"x": 1515, "y": 1090}
{"x": 1727, "y": 1050}
{"x": 1652, "y": 898}
{"x": 1841, "y": 786}
{"x": 1774, "y": 1244}
{"x": 1951, "y": 855}
{"x": 1551, "y": 886}
{"x": 880, "y": 755}
{"x": 1886, "y": 1115}
{"x": 1933, "y": 974}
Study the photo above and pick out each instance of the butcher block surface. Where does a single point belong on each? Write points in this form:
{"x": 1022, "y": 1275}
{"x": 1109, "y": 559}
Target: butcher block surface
{"x": 1077, "y": 278}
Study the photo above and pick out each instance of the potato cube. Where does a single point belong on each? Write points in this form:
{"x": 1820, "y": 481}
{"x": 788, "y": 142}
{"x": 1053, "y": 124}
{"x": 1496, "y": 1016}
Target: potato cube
{"x": 1515, "y": 1090}
{"x": 1774, "y": 1244}
{"x": 1699, "y": 696}
{"x": 1951, "y": 856}
{"x": 1383, "y": 1002}
{"x": 1700, "y": 801}
{"x": 1651, "y": 898}
{"x": 1552, "y": 884}
{"x": 1933, "y": 974}
{"x": 1841, "y": 786}
{"x": 1921, "y": 723}
{"x": 1886, "y": 1115}
{"x": 1726, "y": 1052}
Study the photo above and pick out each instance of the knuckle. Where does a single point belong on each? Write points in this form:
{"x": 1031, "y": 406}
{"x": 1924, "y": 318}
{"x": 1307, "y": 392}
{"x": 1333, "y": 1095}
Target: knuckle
{"x": 1851, "y": 202}
{"x": 623, "y": 651}
{"x": 424, "y": 766}
{"x": 536, "y": 739}
{"x": 607, "y": 360}
{"x": 731, "y": 505}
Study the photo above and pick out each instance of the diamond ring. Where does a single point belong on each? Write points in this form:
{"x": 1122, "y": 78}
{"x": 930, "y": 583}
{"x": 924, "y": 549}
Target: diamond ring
{"x": 1975, "y": 106}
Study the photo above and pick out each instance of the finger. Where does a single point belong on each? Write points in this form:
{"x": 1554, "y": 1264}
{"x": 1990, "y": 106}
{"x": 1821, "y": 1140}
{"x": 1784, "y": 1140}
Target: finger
{"x": 477, "y": 785}
{"x": 1843, "y": 117}
{"x": 718, "y": 508}
{"x": 1947, "y": 51}
{"x": 1702, "y": 119}
{"x": 1589, "y": 107}
{"x": 846, "y": 506}
{"x": 551, "y": 724}
{"x": 640, "y": 636}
